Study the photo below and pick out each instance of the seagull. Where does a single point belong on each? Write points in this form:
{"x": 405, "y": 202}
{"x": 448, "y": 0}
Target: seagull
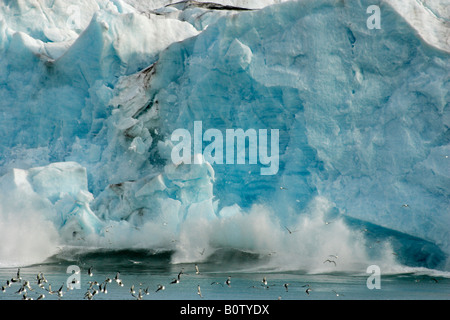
{"x": 228, "y": 281}
{"x": 41, "y": 280}
{"x": 337, "y": 294}
{"x": 27, "y": 284}
{"x": 60, "y": 291}
{"x": 42, "y": 296}
{"x": 264, "y": 281}
{"x": 308, "y": 290}
{"x": 21, "y": 290}
{"x": 18, "y": 279}
{"x": 117, "y": 279}
{"x": 283, "y": 188}
{"x": 139, "y": 296}
{"x": 50, "y": 289}
{"x": 333, "y": 256}
{"x": 88, "y": 295}
{"x": 146, "y": 291}
{"x": 24, "y": 297}
{"x": 160, "y": 287}
{"x": 202, "y": 252}
{"x": 330, "y": 261}
{"x": 215, "y": 282}
{"x": 102, "y": 287}
{"x": 290, "y": 232}
{"x": 196, "y": 270}
{"x": 92, "y": 284}
{"x": 90, "y": 272}
{"x": 177, "y": 279}
{"x": 405, "y": 205}
{"x": 132, "y": 290}
{"x": 286, "y": 286}
{"x": 199, "y": 292}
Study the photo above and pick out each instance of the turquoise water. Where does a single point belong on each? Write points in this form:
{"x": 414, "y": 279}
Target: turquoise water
{"x": 145, "y": 271}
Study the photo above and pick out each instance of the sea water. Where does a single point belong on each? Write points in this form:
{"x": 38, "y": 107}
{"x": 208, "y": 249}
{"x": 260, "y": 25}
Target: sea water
{"x": 145, "y": 271}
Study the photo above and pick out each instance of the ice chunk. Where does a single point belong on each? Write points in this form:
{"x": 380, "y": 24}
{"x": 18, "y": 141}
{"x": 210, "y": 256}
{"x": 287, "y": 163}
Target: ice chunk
{"x": 56, "y": 195}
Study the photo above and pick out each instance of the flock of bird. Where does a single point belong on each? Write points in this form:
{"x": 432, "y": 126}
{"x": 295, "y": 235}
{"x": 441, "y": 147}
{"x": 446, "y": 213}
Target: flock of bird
{"x": 95, "y": 288}
{"x": 24, "y": 287}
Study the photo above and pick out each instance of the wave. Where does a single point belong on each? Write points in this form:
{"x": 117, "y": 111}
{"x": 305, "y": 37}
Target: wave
{"x": 222, "y": 260}
{"x": 319, "y": 241}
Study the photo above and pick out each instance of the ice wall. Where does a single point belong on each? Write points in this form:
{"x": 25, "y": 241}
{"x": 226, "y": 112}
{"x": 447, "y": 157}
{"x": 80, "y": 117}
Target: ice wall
{"x": 363, "y": 116}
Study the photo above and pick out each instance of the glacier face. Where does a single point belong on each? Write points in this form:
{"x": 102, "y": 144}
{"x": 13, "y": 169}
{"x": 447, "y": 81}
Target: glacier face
{"x": 89, "y": 105}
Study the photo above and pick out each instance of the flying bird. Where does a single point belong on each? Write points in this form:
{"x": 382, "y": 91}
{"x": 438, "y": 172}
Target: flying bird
{"x": 337, "y": 293}
{"x": 88, "y": 295}
{"x": 215, "y": 282}
{"x": 290, "y": 232}
{"x": 160, "y": 287}
{"x": 264, "y": 281}
{"x": 197, "y": 271}
{"x": 117, "y": 279}
{"x": 330, "y": 261}
{"x": 60, "y": 291}
{"x": 50, "y": 289}
{"x": 102, "y": 287}
{"x": 18, "y": 278}
{"x": 228, "y": 281}
{"x": 139, "y": 296}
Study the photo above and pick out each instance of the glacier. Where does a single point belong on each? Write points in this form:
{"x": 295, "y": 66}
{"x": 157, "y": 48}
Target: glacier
{"x": 91, "y": 92}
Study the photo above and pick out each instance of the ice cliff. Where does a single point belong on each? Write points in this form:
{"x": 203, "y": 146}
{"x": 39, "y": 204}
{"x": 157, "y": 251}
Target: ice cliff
{"x": 91, "y": 92}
